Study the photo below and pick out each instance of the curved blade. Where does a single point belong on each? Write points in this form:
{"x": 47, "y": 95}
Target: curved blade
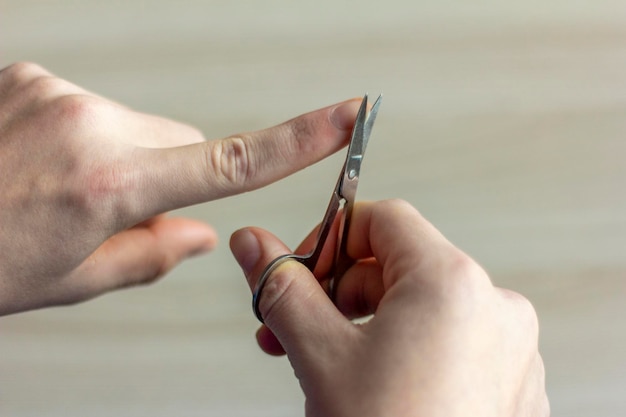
{"x": 360, "y": 137}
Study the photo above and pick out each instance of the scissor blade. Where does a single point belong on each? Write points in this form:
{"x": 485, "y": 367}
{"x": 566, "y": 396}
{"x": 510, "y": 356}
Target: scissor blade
{"x": 360, "y": 136}
{"x": 356, "y": 141}
{"x": 369, "y": 123}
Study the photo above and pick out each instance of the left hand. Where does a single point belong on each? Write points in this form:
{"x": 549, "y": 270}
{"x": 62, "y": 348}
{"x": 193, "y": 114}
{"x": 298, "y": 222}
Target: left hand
{"x": 84, "y": 181}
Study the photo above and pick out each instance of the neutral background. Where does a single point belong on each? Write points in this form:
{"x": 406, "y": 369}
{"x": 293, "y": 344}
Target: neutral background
{"x": 503, "y": 122}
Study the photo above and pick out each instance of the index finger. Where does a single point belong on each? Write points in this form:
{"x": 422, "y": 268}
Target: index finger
{"x": 403, "y": 243}
{"x": 196, "y": 173}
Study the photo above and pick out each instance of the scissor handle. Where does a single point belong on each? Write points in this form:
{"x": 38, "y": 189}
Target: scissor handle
{"x": 309, "y": 260}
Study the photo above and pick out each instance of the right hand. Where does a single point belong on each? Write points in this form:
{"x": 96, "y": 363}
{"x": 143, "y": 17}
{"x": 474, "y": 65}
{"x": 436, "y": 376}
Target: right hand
{"x": 443, "y": 341}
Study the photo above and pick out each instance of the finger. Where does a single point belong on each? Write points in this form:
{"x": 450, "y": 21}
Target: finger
{"x": 269, "y": 342}
{"x": 186, "y": 175}
{"x": 402, "y": 241}
{"x": 139, "y": 255}
{"x": 360, "y": 289}
{"x": 28, "y": 85}
{"x": 378, "y": 230}
{"x": 404, "y": 245}
{"x": 293, "y": 304}
{"x": 20, "y": 73}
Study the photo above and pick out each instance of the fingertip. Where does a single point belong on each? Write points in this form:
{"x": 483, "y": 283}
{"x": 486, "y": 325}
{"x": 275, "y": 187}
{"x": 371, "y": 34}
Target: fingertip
{"x": 268, "y": 342}
{"x": 143, "y": 254}
{"x": 342, "y": 116}
{"x": 246, "y": 249}
{"x": 201, "y": 237}
{"x": 190, "y": 236}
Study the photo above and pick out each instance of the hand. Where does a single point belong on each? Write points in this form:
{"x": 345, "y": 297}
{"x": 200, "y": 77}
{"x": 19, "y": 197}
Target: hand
{"x": 84, "y": 182}
{"x": 443, "y": 341}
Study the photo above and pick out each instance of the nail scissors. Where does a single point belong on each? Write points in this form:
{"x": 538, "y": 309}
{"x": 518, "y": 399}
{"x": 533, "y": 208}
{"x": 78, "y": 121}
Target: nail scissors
{"x": 343, "y": 194}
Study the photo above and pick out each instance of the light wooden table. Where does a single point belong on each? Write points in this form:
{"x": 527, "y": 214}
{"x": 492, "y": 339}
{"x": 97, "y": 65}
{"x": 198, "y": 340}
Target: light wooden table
{"x": 504, "y": 124}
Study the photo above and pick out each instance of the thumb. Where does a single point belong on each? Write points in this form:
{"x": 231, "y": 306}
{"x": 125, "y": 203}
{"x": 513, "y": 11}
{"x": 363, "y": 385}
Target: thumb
{"x": 196, "y": 173}
{"x": 293, "y": 304}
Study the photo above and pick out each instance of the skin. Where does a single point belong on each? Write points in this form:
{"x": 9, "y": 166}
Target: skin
{"x": 85, "y": 182}
{"x": 443, "y": 342}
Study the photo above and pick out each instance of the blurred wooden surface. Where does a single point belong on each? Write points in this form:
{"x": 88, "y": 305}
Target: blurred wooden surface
{"x": 503, "y": 123}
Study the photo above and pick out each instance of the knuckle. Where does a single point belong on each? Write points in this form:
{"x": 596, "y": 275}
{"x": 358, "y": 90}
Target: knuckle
{"x": 518, "y": 314}
{"x": 275, "y": 292}
{"x": 395, "y": 211}
{"x": 106, "y": 194}
{"x": 524, "y": 313}
{"x": 530, "y": 319}
{"x": 301, "y": 129}
{"x": 465, "y": 280}
{"x": 98, "y": 187}
{"x": 21, "y": 72}
{"x": 152, "y": 273}
{"x": 34, "y": 84}
{"x": 45, "y": 86}
{"x": 75, "y": 120}
{"x": 395, "y": 205}
{"x": 230, "y": 162}
{"x": 79, "y": 112}
{"x": 465, "y": 269}
{"x": 19, "y": 83}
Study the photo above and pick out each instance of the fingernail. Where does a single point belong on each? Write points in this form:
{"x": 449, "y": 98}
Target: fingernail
{"x": 246, "y": 249}
{"x": 342, "y": 116}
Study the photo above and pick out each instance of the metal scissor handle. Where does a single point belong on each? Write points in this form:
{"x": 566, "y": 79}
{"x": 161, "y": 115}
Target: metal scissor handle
{"x": 344, "y": 193}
